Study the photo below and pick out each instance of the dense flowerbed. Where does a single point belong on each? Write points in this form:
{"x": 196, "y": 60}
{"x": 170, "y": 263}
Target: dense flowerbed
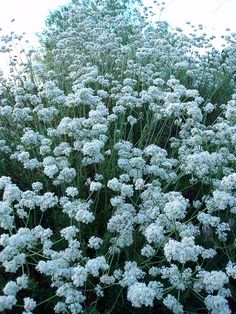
{"x": 117, "y": 167}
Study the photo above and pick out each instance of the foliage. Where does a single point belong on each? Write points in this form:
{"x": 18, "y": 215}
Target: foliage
{"x": 117, "y": 168}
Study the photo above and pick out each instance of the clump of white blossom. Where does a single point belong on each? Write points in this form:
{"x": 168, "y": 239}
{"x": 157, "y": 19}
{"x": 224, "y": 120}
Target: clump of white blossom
{"x": 118, "y": 166}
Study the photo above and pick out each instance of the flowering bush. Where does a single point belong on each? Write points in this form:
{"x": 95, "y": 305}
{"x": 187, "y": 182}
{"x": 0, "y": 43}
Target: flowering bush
{"x": 117, "y": 164}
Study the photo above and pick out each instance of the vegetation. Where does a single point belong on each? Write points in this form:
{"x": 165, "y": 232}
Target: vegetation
{"x": 117, "y": 167}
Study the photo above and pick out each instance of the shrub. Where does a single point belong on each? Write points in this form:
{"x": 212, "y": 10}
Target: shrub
{"x": 117, "y": 167}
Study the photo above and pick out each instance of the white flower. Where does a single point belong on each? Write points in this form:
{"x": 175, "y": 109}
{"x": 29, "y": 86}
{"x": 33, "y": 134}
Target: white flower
{"x": 95, "y": 242}
{"x": 131, "y": 274}
{"x": 94, "y": 265}
{"x": 51, "y": 170}
{"x": 29, "y": 304}
{"x": 80, "y": 276}
{"x": 172, "y": 304}
{"x": 139, "y": 184}
{"x": 176, "y": 206}
{"x": 4, "y": 181}
{"x": 47, "y": 114}
{"x": 183, "y": 251}
{"x": 217, "y": 304}
{"x": 147, "y": 251}
{"x": 126, "y": 190}
{"x": 69, "y": 233}
{"x": 31, "y": 137}
{"x": 179, "y": 279}
{"x": 72, "y": 191}
{"x": 114, "y": 184}
{"x": 11, "y": 288}
{"x": 60, "y": 307}
{"x": 62, "y": 149}
{"x": 66, "y": 175}
{"x": 37, "y": 186}
{"x": 229, "y": 182}
{"x": 17, "y": 261}
{"x": 154, "y": 233}
{"x": 154, "y": 271}
{"x": 99, "y": 291}
{"x": 6, "y": 217}
{"x": 107, "y": 280}
{"x": 22, "y": 281}
{"x": 207, "y": 219}
{"x": 209, "y": 107}
{"x": 221, "y": 200}
{"x": 231, "y": 110}
{"x": 48, "y": 200}
{"x": 231, "y": 269}
{"x": 83, "y": 215}
{"x": 211, "y": 281}
{"x": 92, "y": 152}
{"x": 7, "y": 302}
{"x": 139, "y": 294}
{"x": 95, "y": 186}
{"x": 41, "y": 233}
{"x": 132, "y": 120}
{"x": 222, "y": 231}
{"x": 11, "y": 193}
{"x": 187, "y": 229}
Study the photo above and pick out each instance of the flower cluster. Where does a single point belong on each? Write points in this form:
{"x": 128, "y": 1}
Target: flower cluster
{"x": 118, "y": 167}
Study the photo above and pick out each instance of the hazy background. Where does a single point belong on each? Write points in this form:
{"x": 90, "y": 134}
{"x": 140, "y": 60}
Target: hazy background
{"x": 29, "y": 15}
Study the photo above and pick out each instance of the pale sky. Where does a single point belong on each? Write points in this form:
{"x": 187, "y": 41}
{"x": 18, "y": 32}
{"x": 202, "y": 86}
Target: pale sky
{"x": 215, "y": 15}
{"x": 30, "y": 15}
